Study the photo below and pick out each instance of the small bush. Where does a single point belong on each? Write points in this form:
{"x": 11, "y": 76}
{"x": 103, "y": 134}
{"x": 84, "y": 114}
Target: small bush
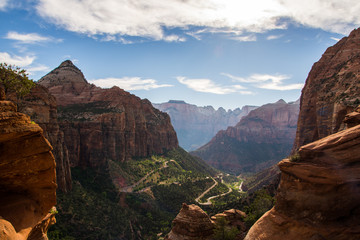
{"x": 295, "y": 158}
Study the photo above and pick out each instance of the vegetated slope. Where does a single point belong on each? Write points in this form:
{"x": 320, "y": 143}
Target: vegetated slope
{"x": 113, "y": 139}
{"x": 195, "y": 125}
{"x": 259, "y": 140}
{"x": 318, "y": 196}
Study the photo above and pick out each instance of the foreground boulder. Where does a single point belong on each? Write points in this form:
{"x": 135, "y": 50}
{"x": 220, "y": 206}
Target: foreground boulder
{"x": 27, "y": 177}
{"x": 319, "y": 192}
{"x": 191, "y": 223}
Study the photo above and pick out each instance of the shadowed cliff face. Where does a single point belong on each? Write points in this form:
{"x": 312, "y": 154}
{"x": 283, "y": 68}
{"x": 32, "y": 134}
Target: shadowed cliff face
{"x": 102, "y": 124}
{"x": 195, "y": 126}
{"x": 319, "y": 192}
{"x": 318, "y": 196}
{"x": 41, "y": 106}
{"x": 259, "y": 140}
{"x": 331, "y": 91}
{"x": 27, "y": 177}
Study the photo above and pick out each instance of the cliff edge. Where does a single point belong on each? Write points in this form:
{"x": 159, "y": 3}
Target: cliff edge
{"x": 27, "y": 177}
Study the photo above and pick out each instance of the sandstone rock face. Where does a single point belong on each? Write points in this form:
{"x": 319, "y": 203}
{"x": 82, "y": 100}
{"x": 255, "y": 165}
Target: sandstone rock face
{"x": 102, "y": 124}
{"x": 191, "y": 223}
{"x": 318, "y": 196}
{"x": 259, "y": 140}
{"x": 331, "y": 91}
{"x": 27, "y": 177}
{"x": 195, "y": 126}
{"x": 41, "y": 106}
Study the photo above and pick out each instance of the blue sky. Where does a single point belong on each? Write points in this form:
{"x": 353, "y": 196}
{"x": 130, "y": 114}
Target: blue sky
{"x": 224, "y": 53}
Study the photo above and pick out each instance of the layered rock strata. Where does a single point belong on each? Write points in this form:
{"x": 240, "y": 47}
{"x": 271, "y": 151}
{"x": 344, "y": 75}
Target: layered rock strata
{"x": 27, "y": 177}
{"x": 191, "y": 223}
{"x": 195, "y": 126}
{"x": 259, "y": 140}
{"x": 319, "y": 192}
{"x": 331, "y": 91}
{"x": 102, "y": 124}
{"x": 41, "y": 106}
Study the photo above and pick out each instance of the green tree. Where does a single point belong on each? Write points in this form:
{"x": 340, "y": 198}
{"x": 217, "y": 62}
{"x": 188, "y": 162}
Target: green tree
{"x": 15, "y": 79}
{"x": 223, "y": 231}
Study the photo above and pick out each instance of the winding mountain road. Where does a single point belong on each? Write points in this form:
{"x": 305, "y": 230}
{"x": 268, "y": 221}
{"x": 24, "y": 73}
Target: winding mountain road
{"x": 130, "y": 188}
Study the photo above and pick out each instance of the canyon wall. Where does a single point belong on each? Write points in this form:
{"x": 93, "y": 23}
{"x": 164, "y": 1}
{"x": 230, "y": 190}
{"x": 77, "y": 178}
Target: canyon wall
{"x": 259, "y": 140}
{"x": 195, "y": 126}
{"x": 27, "y": 177}
{"x": 102, "y": 124}
{"x": 319, "y": 192}
{"x": 331, "y": 91}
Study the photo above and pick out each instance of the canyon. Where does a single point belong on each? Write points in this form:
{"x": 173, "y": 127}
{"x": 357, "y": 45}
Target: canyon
{"x": 259, "y": 140}
{"x": 319, "y": 189}
{"x": 195, "y": 126}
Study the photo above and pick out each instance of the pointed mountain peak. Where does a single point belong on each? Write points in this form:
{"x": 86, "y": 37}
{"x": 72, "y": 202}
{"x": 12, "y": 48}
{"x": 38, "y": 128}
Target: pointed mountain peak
{"x": 281, "y": 101}
{"x": 67, "y": 63}
{"x": 65, "y": 73}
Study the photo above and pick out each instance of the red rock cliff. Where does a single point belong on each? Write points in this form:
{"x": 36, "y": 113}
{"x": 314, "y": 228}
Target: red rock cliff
{"x": 41, "y": 106}
{"x": 259, "y": 140}
{"x": 27, "y": 177}
{"x": 101, "y": 124}
{"x": 330, "y": 92}
{"x": 319, "y": 193}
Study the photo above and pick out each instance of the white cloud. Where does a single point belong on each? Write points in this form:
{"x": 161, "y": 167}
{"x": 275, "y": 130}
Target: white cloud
{"x": 208, "y": 86}
{"x": 38, "y": 68}
{"x": 273, "y": 37}
{"x": 3, "y": 4}
{"x": 16, "y": 60}
{"x": 129, "y": 83}
{"x": 29, "y": 38}
{"x": 267, "y": 81}
{"x": 248, "y": 38}
{"x": 152, "y": 18}
{"x": 335, "y": 39}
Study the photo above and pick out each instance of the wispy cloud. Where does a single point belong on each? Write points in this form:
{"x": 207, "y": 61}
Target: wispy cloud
{"x": 29, "y": 38}
{"x": 38, "y": 68}
{"x": 152, "y": 18}
{"x": 267, "y": 81}
{"x": 335, "y": 39}
{"x": 273, "y": 37}
{"x": 20, "y": 61}
{"x": 247, "y": 38}
{"x": 208, "y": 86}
{"x": 129, "y": 83}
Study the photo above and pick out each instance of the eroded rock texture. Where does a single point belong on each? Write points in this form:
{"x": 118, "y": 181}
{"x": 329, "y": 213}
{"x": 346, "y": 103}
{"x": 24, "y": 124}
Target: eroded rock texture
{"x": 319, "y": 193}
{"x": 102, "y": 124}
{"x": 331, "y": 91}
{"x": 259, "y": 140}
{"x": 41, "y": 106}
{"x": 191, "y": 223}
{"x": 27, "y": 177}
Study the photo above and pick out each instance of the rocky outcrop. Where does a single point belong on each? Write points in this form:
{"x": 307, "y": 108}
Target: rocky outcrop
{"x": 41, "y": 106}
{"x": 258, "y": 141}
{"x": 191, "y": 223}
{"x": 331, "y": 91}
{"x": 319, "y": 193}
{"x": 27, "y": 177}
{"x": 102, "y": 124}
{"x": 234, "y": 218}
{"x": 195, "y": 126}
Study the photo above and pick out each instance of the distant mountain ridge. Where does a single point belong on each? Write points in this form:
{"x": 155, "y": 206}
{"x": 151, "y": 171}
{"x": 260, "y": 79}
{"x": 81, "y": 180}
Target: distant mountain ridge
{"x": 260, "y": 139}
{"x": 196, "y": 125}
